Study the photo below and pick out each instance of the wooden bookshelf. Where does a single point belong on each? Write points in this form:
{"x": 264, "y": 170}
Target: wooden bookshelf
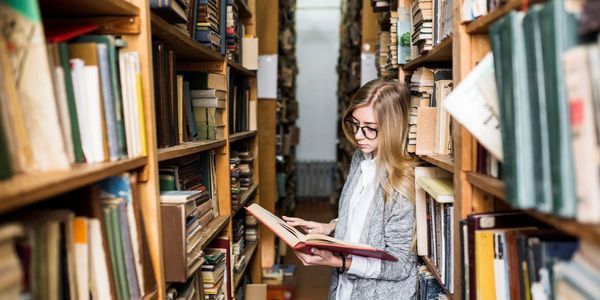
{"x": 180, "y": 41}
{"x": 442, "y": 53}
{"x": 26, "y": 189}
{"x": 437, "y": 276}
{"x": 212, "y": 230}
{"x": 56, "y": 8}
{"x": 238, "y": 136}
{"x": 243, "y": 9}
{"x": 486, "y": 183}
{"x": 239, "y": 69}
{"x": 245, "y": 197}
{"x": 249, "y": 253}
{"x": 188, "y": 148}
{"x": 442, "y": 161}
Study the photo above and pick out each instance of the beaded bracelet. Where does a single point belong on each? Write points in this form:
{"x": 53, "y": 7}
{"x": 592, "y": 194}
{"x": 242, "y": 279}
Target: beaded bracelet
{"x": 343, "y": 268}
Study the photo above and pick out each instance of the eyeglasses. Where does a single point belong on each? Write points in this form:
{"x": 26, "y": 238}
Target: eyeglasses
{"x": 368, "y": 132}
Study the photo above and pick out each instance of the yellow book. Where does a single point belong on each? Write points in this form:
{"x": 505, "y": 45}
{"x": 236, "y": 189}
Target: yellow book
{"x": 180, "y": 115}
{"x": 484, "y": 258}
{"x": 141, "y": 120}
{"x": 441, "y": 189}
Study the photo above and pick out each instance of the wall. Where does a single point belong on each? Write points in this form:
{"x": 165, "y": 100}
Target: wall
{"x": 317, "y": 50}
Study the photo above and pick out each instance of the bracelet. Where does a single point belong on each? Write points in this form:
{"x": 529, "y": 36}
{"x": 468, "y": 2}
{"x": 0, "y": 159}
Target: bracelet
{"x": 343, "y": 268}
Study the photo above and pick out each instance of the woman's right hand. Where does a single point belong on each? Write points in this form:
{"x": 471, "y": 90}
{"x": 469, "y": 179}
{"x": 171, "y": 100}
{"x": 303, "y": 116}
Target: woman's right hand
{"x": 310, "y": 226}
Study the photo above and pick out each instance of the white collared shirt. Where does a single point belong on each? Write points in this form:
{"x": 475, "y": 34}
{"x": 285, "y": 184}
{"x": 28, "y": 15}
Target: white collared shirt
{"x": 358, "y": 209}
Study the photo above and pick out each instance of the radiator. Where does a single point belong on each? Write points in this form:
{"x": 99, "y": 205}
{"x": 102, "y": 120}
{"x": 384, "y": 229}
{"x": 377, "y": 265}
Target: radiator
{"x": 315, "y": 179}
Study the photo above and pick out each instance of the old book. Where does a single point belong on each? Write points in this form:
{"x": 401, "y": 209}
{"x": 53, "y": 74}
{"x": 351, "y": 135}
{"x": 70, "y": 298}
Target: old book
{"x": 426, "y": 123}
{"x": 305, "y": 243}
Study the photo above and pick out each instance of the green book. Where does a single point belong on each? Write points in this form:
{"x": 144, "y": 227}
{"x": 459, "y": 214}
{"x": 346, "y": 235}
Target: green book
{"x": 111, "y": 219}
{"x": 508, "y": 45}
{"x": 537, "y": 109}
{"x": 558, "y": 30}
{"x": 63, "y": 50}
{"x": 112, "y": 44}
{"x": 5, "y": 164}
{"x": 167, "y": 182}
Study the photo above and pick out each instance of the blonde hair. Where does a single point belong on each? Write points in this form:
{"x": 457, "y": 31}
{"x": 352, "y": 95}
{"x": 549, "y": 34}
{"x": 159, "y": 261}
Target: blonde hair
{"x": 391, "y": 103}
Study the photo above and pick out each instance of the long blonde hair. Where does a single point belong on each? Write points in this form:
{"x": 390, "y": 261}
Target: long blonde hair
{"x": 391, "y": 102}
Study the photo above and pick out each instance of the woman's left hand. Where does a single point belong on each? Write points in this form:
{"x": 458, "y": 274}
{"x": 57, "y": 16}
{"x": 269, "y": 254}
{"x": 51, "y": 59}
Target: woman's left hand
{"x": 319, "y": 257}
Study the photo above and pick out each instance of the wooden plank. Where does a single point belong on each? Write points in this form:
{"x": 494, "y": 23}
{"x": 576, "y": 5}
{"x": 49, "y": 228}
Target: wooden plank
{"x": 488, "y": 184}
{"x": 239, "y": 69}
{"x": 26, "y": 189}
{"x": 243, "y": 9}
{"x": 188, "y": 148}
{"x": 482, "y": 24}
{"x": 267, "y": 26}
{"x": 210, "y": 66}
{"x": 268, "y": 185}
{"x": 437, "y": 276}
{"x": 370, "y": 27}
{"x": 246, "y": 196}
{"x": 88, "y": 8}
{"x": 118, "y": 25}
{"x": 439, "y": 54}
{"x": 238, "y": 276}
{"x": 180, "y": 42}
{"x": 586, "y": 232}
{"x": 238, "y": 136}
{"x": 212, "y": 230}
{"x": 442, "y": 161}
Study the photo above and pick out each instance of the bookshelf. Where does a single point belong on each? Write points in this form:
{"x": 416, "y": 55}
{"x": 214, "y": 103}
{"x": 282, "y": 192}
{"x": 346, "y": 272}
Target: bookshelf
{"x": 246, "y": 196}
{"x": 249, "y": 252}
{"x": 442, "y": 53}
{"x": 138, "y": 26}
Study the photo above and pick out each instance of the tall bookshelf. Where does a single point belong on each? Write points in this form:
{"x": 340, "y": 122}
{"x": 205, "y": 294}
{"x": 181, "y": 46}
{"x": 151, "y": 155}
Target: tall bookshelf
{"x": 138, "y": 25}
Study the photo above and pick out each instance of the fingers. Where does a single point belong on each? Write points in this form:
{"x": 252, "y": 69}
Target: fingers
{"x": 292, "y": 219}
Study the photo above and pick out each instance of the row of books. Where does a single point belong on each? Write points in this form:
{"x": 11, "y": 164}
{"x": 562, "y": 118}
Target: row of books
{"x": 508, "y": 255}
{"x": 94, "y": 107}
{"x": 430, "y": 124}
{"x": 234, "y": 31}
{"x": 422, "y": 27}
{"x": 473, "y": 9}
{"x": 217, "y": 271}
{"x": 241, "y": 166}
{"x": 547, "y": 89}
{"x": 240, "y": 104}
{"x": 434, "y": 195}
{"x": 54, "y": 253}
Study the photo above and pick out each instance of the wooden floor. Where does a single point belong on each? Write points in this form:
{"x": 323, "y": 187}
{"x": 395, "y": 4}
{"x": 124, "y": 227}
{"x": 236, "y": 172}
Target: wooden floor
{"x": 312, "y": 283}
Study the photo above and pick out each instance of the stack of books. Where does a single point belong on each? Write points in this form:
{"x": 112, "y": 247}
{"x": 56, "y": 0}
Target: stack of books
{"x": 235, "y": 171}
{"x": 185, "y": 214}
{"x": 246, "y": 166}
{"x": 429, "y": 288}
{"x": 233, "y": 31}
{"x": 422, "y": 31}
{"x": 251, "y": 228}
{"x": 183, "y": 174}
{"x": 239, "y": 244}
{"x": 383, "y": 51}
{"x": 213, "y": 272}
{"x": 208, "y": 26}
{"x": 393, "y": 55}
{"x": 209, "y": 96}
{"x": 421, "y": 90}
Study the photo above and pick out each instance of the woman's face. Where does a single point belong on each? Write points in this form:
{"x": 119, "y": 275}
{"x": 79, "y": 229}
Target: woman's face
{"x": 365, "y": 128}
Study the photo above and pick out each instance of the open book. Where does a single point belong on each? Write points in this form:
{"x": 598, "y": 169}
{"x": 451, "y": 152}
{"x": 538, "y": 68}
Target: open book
{"x": 304, "y": 242}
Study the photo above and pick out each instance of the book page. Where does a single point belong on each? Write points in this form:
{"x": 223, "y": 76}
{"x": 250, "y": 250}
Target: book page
{"x": 321, "y": 238}
{"x": 288, "y": 233}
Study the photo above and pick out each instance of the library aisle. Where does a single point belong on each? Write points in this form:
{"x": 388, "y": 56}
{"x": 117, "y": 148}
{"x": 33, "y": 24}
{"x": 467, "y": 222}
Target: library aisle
{"x": 148, "y": 149}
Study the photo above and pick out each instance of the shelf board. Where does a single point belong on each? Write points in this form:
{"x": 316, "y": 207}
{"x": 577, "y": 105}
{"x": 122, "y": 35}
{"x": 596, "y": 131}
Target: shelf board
{"x": 441, "y": 161}
{"x": 486, "y": 183}
{"x": 250, "y": 250}
{"x": 246, "y": 196}
{"x": 26, "y": 189}
{"x": 239, "y": 69}
{"x": 90, "y": 8}
{"x": 440, "y": 53}
{"x": 482, "y": 24}
{"x": 495, "y": 187}
{"x": 243, "y": 9}
{"x": 180, "y": 42}
{"x": 188, "y": 148}
{"x": 436, "y": 273}
{"x": 212, "y": 230}
{"x": 242, "y": 135}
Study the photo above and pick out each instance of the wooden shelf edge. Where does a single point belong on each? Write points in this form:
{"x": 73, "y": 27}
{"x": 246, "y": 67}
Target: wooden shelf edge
{"x": 437, "y": 276}
{"x": 184, "y": 47}
{"x": 482, "y": 24}
{"x": 214, "y": 227}
{"x": 245, "y": 198}
{"x": 486, "y": 183}
{"x": 151, "y": 295}
{"x": 55, "y": 8}
{"x": 441, "y": 161}
{"x": 26, "y": 189}
{"x": 238, "y": 68}
{"x": 249, "y": 253}
{"x": 188, "y": 148}
{"x": 242, "y": 135}
{"x": 440, "y": 53}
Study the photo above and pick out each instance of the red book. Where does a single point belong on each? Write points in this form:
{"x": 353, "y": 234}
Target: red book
{"x": 305, "y": 242}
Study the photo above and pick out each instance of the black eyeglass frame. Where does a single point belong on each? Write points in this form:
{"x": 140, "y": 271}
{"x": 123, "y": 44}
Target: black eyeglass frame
{"x": 349, "y": 123}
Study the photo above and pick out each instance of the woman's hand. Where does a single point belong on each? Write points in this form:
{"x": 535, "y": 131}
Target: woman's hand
{"x": 310, "y": 226}
{"x": 321, "y": 257}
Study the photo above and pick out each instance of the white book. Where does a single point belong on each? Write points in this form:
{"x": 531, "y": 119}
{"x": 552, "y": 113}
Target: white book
{"x": 135, "y": 245}
{"x": 128, "y": 113}
{"x": 80, "y": 231}
{"x": 99, "y": 280}
{"x": 78, "y": 79}
{"x": 63, "y": 112}
{"x": 500, "y": 262}
{"x": 94, "y": 113}
{"x": 134, "y": 65}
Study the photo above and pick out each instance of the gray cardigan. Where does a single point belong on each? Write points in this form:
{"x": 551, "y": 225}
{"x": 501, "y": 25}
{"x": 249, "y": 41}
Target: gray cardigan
{"x": 389, "y": 226}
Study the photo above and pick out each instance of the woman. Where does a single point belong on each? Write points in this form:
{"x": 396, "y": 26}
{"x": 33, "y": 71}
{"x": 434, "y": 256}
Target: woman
{"x": 375, "y": 207}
